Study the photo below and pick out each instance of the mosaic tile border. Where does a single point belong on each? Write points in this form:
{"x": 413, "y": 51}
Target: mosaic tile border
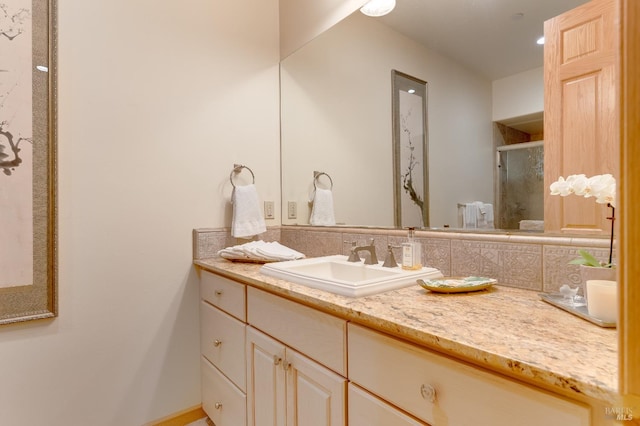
{"x": 532, "y": 262}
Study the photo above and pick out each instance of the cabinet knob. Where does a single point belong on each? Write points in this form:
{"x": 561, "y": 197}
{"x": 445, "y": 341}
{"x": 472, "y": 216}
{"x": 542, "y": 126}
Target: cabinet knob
{"x": 286, "y": 365}
{"x": 276, "y": 360}
{"x": 218, "y": 405}
{"x": 218, "y": 292}
{"x": 217, "y": 343}
{"x": 428, "y": 392}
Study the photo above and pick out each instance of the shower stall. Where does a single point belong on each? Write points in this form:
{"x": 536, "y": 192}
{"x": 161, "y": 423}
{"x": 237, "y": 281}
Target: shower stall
{"x": 520, "y": 186}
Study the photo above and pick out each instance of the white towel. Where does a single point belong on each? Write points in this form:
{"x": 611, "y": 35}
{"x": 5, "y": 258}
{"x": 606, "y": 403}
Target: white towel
{"x": 470, "y": 215}
{"x": 485, "y": 218}
{"x": 260, "y": 251}
{"x": 478, "y": 215}
{"x": 247, "y": 217}
{"x": 322, "y": 209}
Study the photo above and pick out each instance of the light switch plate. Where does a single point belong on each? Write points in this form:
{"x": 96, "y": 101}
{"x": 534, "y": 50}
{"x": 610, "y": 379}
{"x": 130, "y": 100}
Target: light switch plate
{"x": 292, "y": 210}
{"x": 268, "y": 210}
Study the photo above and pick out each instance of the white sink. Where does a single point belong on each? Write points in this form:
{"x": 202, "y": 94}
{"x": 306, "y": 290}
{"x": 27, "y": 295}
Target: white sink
{"x": 335, "y": 275}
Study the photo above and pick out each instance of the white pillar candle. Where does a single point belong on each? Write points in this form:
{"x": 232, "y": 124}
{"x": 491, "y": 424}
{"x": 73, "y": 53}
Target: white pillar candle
{"x": 602, "y": 299}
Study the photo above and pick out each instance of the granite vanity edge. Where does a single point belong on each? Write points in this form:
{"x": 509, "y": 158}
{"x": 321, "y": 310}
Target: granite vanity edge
{"x": 479, "y": 357}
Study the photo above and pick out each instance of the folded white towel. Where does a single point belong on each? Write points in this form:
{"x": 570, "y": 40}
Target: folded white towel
{"x": 260, "y": 251}
{"x": 322, "y": 209}
{"x": 278, "y": 252}
{"x": 247, "y": 217}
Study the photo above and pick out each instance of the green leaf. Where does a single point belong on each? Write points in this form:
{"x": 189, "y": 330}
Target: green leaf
{"x": 586, "y": 259}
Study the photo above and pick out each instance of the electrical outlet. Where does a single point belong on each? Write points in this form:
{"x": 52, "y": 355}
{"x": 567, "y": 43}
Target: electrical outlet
{"x": 268, "y": 210}
{"x": 292, "y": 209}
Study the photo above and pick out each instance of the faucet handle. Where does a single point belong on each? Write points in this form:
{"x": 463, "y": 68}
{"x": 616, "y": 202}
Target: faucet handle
{"x": 390, "y": 259}
{"x": 353, "y": 255}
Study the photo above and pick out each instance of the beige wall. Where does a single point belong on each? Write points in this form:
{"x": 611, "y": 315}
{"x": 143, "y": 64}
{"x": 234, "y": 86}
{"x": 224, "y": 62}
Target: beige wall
{"x": 157, "y": 100}
{"x": 518, "y": 95}
{"x": 302, "y": 20}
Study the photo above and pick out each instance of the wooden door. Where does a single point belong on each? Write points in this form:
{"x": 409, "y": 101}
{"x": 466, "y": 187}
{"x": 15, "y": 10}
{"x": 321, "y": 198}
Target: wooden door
{"x": 266, "y": 381}
{"x": 316, "y": 396}
{"x": 581, "y": 111}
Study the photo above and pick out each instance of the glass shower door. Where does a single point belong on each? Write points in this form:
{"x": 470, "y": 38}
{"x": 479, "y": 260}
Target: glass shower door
{"x": 521, "y": 186}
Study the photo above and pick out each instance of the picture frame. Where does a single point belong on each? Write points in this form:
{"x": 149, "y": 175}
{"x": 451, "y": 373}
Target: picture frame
{"x": 410, "y": 151}
{"x": 28, "y": 161}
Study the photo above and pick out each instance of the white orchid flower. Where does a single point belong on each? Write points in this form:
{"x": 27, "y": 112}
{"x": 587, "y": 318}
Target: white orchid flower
{"x": 579, "y": 185}
{"x": 602, "y": 187}
{"x": 560, "y": 187}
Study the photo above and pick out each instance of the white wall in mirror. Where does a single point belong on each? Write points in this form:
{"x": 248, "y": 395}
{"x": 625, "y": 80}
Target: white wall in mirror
{"x": 302, "y": 20}
{"x": 518, "y": 95}
{"x": 336, "y": 118}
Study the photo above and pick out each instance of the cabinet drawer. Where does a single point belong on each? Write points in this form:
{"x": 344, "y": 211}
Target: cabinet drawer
{"x": 320, "y": 336}
{"x": 439, "y": 390}
{"x": 222, "y": 340}
{"x": 224, "y": 293}
{"x": 367, "y": 410}
{"x": 223, "y": 402}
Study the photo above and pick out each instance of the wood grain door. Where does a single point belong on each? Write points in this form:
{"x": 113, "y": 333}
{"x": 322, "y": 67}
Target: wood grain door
{"x": 581, "y": 111}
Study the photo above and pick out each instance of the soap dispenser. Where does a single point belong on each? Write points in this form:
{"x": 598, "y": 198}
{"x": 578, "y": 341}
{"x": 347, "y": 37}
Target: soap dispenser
{"x": 411, "y": 252}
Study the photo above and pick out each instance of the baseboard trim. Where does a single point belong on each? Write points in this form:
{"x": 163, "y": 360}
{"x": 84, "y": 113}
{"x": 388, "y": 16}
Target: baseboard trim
{"x": 181, "y": 418}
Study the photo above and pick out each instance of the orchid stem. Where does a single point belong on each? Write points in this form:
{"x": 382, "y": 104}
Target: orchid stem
{"x": 612, "y": 218}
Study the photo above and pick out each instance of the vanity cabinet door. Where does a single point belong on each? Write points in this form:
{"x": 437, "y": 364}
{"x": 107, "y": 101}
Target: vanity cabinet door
{"x": 286, "y": 388}
{"x": 581, "y": 112}
{"x": 266, "y": 399}
{"x": 316, "y": 396}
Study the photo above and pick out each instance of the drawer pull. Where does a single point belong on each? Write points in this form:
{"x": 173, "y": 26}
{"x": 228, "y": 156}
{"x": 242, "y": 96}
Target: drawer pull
{"x": 218, "y": 292}
{"x": 276, "y": 360}
{"x": 428, "y": 392}
{"x": 217, "y": 343}
{"x": 218, "y": 405}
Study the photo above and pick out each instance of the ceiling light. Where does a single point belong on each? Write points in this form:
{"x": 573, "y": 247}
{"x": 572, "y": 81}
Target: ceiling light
{"x": 540, "y": 40}
{"x": 378, "y": 7}
{"x": 411, "y": 90}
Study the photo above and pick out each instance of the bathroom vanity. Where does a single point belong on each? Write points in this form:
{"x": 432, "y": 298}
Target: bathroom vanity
{"x": 274, "y": 352}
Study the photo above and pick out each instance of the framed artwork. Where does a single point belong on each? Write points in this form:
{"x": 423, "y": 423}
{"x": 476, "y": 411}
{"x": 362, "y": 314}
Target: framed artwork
{"x": 410, "y": 151}
{"x": 28, "y": 223}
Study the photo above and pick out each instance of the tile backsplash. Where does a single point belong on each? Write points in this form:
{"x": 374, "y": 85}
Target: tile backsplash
{"x": 531, "y": 261}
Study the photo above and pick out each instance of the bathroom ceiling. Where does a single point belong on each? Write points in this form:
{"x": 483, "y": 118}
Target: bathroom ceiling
{"x": 496, "y": 38}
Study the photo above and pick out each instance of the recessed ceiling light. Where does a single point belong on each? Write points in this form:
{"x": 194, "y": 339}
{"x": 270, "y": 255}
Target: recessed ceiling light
{"x": 411, "y": 90}
{"x": 540, "y": 40}
{"x": 378, "y": 7}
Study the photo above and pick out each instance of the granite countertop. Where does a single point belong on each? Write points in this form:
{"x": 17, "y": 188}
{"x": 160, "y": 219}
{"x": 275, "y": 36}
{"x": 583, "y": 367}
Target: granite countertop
{"x": 507, "y": 330}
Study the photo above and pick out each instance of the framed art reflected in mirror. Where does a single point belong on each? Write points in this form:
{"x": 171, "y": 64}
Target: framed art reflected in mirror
{"x": 410, "y": 160}
{"x": 28, "y": 222}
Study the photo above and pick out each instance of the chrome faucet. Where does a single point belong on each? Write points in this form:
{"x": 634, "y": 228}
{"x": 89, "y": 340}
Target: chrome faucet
{"x": 371, "y": 248}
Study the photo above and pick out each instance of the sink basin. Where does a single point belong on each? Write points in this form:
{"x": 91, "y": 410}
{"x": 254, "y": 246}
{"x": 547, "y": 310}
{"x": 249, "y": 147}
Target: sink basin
{"x": 335, "y": 275}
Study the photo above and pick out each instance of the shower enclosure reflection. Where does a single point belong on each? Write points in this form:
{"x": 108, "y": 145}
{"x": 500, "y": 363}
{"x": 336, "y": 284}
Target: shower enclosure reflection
{"x": 521, "y": 186}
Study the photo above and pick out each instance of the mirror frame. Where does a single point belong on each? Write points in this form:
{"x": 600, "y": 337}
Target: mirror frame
{"x": 38, "y": 300}
{"x": 410, "y": 155}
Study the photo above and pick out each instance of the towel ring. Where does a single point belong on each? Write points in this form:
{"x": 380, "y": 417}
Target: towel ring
{"x": 316, "y": 176}
{"x": 237, "y": 168}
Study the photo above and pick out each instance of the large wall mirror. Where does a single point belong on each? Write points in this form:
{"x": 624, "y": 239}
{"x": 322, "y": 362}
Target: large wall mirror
{"x": 28, "y": 271}
{"x": 336, "y": 101}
